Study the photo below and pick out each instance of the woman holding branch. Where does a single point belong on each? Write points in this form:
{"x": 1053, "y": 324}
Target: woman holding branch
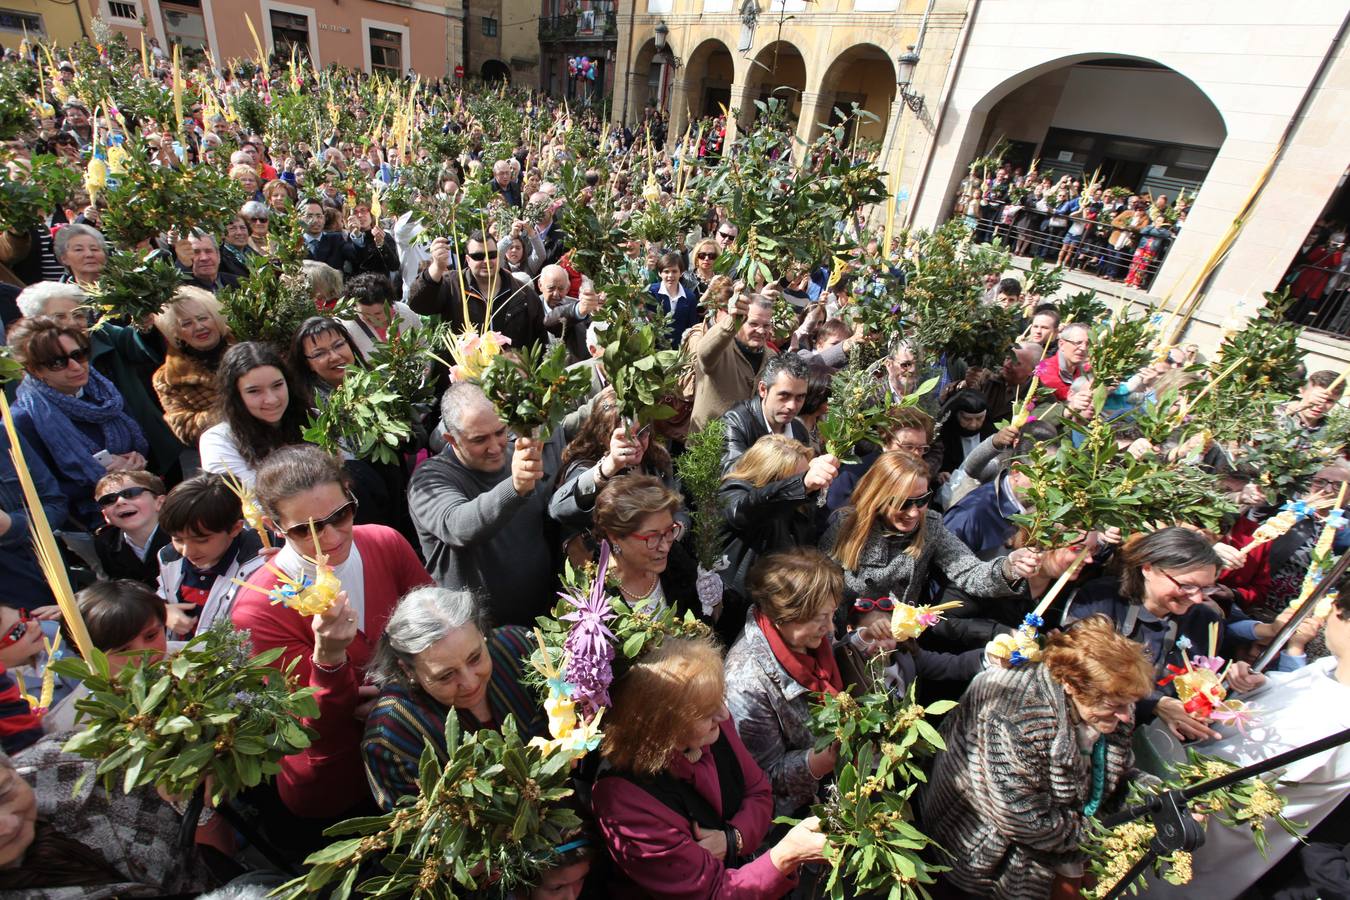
{"x": 889, "y": 541}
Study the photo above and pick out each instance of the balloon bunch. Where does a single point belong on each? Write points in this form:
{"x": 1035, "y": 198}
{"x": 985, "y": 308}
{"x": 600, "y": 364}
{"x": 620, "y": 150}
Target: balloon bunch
{"x": 581, "y": 67}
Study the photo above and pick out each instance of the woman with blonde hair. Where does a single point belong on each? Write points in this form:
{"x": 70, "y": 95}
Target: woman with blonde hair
{"x": 702, "y": 259}
{"x": 889, "y": 541}
{"x": 680, "y": 803}
{"x": 769, "y": 502}
{"x": 782, "y": 659}
{"x": 1032, "y": 754}
{"x": 196, "y": 336}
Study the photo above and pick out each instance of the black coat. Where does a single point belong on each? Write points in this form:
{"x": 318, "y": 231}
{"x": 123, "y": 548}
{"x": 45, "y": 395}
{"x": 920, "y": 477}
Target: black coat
{"x": 779, "y": 516}
{"x": 333, "y": 249}
{"x": 745, "y": 425}
{"x": 517, "y": 312}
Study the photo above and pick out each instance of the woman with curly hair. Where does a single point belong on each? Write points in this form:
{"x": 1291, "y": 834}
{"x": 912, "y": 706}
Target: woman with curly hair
{"x": 196, "y": 336}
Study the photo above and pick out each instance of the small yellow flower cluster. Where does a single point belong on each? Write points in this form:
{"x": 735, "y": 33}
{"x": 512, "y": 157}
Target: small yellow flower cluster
{"x": 1180, "y": 868}
{"x": 1264, "y": 804}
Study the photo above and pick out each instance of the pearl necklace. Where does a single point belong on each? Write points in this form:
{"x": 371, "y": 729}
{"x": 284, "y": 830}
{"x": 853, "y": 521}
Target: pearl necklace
{"x": 656, "y": 579}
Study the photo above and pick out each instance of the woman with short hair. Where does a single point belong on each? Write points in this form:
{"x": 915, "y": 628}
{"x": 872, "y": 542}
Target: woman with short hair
{"x": 83, "y": 250}
{"x": 71, "y": 415}
{"x": 304, "y": 494}
{"x": 1032, "y": 753}
{"x": 681, "y": 804}
{"x": 197, "y": 336}
{"x": 235, "y": 250}
{"x": 378, "y": 312}
{"x": 438, "y": 656}
{"x": 643, "y": 520}
{"x": 890, "y": 542}
{"x": 783, "y": 658}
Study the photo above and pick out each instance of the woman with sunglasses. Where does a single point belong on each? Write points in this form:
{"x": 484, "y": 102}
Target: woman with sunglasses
{"x": 704, "y": 255}
{"x": 377, "y": 312}
{"x": 262, "y": 408}
{"x": 1159, "y": 600}
{"x": 603, "y": 449}
{"x": 305, "y": 493}
{"x": 641, "y": 519}
{"x": 769, "y": 501}
{"x": 890, "y": 542}
{"x": 71, "y": 415}
{"x": 197, "y": 336}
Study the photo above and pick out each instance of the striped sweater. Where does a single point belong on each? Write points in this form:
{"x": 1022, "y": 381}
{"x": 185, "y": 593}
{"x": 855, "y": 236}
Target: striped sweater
{"x": 406, "y": 718}
{"x": 1006, "y": 798}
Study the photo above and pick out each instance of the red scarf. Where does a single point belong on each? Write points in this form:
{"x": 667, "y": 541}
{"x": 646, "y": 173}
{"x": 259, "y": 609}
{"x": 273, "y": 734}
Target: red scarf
{"x": 816, "y": 671}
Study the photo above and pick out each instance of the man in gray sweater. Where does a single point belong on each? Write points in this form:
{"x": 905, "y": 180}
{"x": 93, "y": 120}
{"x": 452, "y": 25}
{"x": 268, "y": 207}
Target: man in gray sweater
{"x": 480, "y": 508}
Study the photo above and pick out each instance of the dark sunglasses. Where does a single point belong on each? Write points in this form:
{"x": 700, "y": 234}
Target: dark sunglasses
{"x": 708, "y": 255}
{"x": 16, "y": 633}
{"x": 867, "y": 604}
{"x": 127, "y": 493}
{"x": 723, "y": 234}
{"x": 480, "y": 255}
{"x": 912, "y": 502}
{"x": 58, "y": 363}
{"x": 338, "y": 517}
{"x": 257, "y": 218}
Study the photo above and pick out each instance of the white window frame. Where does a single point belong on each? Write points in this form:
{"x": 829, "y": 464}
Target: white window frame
{"x": 659, "y": 6}
{"x": 876, "y": 5}
{"x": 136, "y": 19}
{"x": 41, "y": 31}
{"x": 309, "y": 12}
{"x": 405, "y": 51}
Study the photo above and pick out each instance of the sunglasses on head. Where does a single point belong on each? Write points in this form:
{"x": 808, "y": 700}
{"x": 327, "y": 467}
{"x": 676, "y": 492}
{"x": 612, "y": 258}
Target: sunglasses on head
{"x": 338, "y": 517}
{"x": 126, "y": 493}
{"x": 58, "y": 363}
{"x": 867, "y": 604}
{"x": 17, "y": 631}
{"x": 479, "y": 256}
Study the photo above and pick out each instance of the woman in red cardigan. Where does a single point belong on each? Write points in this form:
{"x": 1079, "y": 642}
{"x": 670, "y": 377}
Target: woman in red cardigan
{"x": 298, "y": 485}
{"x": 681, "y": 803}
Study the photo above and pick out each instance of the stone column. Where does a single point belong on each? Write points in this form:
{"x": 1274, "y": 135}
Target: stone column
{"x": 815, "y": 108}
{"x": 734, "y": 108}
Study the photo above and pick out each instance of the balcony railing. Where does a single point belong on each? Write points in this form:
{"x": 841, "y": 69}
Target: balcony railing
{"x": 590, "y": 25}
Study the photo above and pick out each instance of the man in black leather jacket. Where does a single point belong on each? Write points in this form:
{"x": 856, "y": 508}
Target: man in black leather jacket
{"x": 781, "y": 390}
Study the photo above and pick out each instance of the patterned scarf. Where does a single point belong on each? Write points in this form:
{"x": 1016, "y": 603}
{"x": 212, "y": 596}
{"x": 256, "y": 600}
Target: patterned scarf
{"x": 56, "y": 415}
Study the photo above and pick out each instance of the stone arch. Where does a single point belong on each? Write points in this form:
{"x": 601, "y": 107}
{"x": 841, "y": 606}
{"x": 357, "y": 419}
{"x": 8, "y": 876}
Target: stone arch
{"x": 865, "y": 74}
{"x": 494, "y": 71}
{"x": 778, "y": 70}
{"x": 709, "y": 73}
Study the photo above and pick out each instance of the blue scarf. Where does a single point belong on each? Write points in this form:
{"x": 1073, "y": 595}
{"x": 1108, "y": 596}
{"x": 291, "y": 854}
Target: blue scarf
{"x": 55, "y": 415}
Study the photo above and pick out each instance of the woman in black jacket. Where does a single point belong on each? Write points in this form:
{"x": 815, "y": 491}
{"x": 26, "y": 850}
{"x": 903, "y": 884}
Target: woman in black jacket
{"x": 769, "y": 501}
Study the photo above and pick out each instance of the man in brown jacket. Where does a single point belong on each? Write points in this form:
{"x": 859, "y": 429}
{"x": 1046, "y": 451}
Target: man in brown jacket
{"x": 729, "y": 356}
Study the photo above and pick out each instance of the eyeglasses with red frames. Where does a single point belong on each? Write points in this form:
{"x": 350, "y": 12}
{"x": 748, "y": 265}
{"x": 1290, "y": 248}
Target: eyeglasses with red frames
{"x": 654, "y": 539}
{"x": 867, "y": 604}
{"x": 17, "y": 631}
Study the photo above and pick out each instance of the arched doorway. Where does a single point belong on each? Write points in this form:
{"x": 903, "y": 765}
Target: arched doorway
{"x": 494, "y": 71}
{"x": 778, "y": 70}
{"x": 708, "y": 75}
{"x": 643, "y": 82}
{"x": 863, "y": 74}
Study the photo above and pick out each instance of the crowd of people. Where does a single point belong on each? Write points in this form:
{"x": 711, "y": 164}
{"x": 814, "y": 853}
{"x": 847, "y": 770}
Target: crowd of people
{"x": 147, "y": 440}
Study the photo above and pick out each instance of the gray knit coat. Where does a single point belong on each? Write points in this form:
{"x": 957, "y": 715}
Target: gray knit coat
{"x": 1006, "y": 798}
{"x": 884, "y": 566}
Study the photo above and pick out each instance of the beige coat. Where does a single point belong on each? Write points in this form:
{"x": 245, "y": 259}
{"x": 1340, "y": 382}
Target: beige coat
{"x": 723, "y": 376}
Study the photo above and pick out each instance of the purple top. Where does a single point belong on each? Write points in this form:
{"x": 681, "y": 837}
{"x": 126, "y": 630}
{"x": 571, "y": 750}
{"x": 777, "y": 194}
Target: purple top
{"x": 655, "y": 850}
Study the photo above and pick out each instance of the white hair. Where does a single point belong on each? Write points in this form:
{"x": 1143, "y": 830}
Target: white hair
{"x": 33, "y": 299}
{"x": 423, "y": 617}
{"x": 68, "y": 233}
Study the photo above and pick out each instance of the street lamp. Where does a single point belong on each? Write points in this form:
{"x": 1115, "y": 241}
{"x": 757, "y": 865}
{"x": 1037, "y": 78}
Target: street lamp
{"x": 663, "y": 35}
{"x": 904, "y": 77}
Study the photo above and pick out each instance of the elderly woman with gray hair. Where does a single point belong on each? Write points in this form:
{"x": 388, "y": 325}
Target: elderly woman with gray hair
{"x": 438, "y": 656}
{"x": 83, "y": 250}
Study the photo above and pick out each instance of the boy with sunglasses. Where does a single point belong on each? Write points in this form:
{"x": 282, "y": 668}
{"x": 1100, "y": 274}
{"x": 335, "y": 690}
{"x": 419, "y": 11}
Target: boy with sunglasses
{"x": 210, "y": 548}
{"x": 128, "y": 545}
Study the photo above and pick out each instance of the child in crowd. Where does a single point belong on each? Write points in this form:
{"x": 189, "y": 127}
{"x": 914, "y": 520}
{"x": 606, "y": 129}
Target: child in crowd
{"x": 128, "y": 546}
{"x": 20, "y": 645}
{"x": 210, "y": 549}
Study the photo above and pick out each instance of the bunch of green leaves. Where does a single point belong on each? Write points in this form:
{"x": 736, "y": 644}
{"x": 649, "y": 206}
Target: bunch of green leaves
{"x": 859, "y": 408}
{"x": 665, "y": 224}
{"x": 985, "y": 336}
{"x": 1247, "y": 805}
{"x": 15, "y": 113}
{"x": 1094, "y": 486}
{"x": 269, "y": 304}
{"x": 362, "y": 416}
{"x": 250, "y": 111}
{"x": 700, "y": 472}
{"x": 533, "y": 391}
{"x": 597, "y": 243}
{"x": 1082, "y": 307}
{"x": 1117, "y": 349}
{"x": 943, "y": 294}
{"x": 10, "y": 368}
{"x": 883, "y": 739}
{"x": 150, "y": 199}
{"x": 1042, "y": 279}
{"x": 1335, "y": 436}
{"x": 26, "y": 201}
{"x": 1264, "y": 359}
{"x": 210, "y": 711}
{"x": 642, "y": 374}
{"x": 491, "y": 812}
{"x": 1282, "y": 459}
{"x": 143, "y": 99}
{"x": 405, "y": 359}
{"x": 136, "y": 285}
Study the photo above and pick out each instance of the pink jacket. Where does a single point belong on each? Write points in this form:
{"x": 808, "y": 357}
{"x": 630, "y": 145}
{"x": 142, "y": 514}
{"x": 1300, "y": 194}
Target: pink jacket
{"x": 654, "y": 848}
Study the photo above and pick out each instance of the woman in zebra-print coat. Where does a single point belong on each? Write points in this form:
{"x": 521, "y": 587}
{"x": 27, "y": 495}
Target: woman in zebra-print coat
{"x": 1032, "y": 753}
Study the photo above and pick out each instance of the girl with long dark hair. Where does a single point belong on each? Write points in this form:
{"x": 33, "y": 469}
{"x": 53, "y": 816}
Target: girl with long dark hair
{"x": 262, "y": 407}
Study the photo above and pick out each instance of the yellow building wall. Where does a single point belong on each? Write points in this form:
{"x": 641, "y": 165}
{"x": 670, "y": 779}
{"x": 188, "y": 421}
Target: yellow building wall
{"x": 61, "y": 21}
{"x": 520, "y": 40}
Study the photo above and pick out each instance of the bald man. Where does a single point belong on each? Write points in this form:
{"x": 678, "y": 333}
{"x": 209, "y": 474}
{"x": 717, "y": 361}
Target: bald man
{"x": 566, "y": 317}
